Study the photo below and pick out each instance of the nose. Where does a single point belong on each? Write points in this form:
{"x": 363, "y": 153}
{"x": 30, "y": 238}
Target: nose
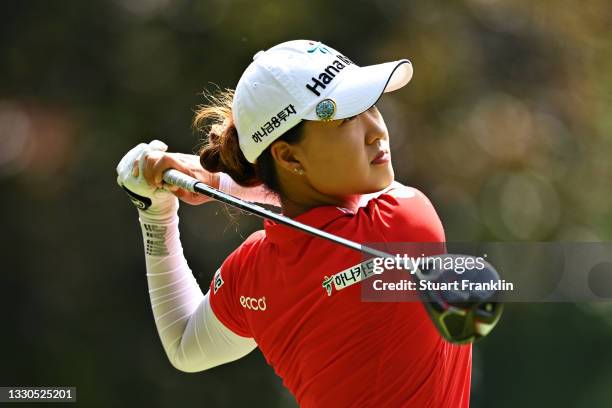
{"x": 375, "y": 124}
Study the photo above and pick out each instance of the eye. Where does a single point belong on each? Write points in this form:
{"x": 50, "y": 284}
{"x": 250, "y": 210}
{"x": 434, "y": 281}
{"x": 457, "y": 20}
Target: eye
{"x": 348, "y": 119}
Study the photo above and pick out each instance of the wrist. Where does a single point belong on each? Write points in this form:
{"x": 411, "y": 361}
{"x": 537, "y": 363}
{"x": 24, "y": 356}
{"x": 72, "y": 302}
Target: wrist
{"x": 215, "y": 180}
{"x": 161, "y": 212}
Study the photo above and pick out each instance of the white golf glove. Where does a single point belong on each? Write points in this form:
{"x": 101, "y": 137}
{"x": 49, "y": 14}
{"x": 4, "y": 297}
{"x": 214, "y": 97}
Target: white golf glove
{"x": 150, "y": 200}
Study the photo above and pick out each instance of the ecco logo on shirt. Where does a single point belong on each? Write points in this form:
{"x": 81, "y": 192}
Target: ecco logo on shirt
{"x": 253, "y": 303}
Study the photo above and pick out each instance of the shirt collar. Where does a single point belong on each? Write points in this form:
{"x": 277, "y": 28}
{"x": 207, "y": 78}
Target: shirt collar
{"x": 317, "y": 217}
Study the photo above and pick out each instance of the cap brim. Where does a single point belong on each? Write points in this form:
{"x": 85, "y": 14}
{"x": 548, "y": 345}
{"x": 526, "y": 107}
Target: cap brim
{"x": 362, "y": 87}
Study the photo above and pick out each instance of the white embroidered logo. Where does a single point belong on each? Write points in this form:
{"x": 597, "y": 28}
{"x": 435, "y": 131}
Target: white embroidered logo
{"x": 253, "y": 303}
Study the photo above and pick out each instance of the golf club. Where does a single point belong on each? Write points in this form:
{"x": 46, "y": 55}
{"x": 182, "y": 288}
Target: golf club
{"x": 459, "y": 317}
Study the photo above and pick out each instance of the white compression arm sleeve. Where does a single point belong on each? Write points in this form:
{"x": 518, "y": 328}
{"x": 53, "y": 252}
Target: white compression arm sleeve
{"x": 192, "y": 336}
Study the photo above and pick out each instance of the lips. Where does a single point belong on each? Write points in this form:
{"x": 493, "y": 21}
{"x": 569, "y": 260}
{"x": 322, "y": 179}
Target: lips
{"x": 381, "y": 157}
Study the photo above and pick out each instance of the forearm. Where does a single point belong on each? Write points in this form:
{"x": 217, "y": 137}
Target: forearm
{"x": 221, "y": 181}
{"x": 192, "y": 337}
{"x": 258, "y": 194}
{"x": 173, "y": 290}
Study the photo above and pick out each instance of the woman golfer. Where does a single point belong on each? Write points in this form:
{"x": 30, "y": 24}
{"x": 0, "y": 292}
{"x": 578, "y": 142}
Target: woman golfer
{"x": 301, "y": 131}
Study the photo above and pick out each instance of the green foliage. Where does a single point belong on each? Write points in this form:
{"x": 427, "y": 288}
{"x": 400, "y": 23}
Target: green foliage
{"x": 506, "y": 126}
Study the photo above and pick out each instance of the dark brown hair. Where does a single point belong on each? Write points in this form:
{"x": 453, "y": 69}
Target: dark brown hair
{"x": 220, "y": 151}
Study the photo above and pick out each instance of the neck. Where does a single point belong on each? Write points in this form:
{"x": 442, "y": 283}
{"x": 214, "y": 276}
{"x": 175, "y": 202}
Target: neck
{"x": 292, "y": 207}
{"x": 300, "y": 196}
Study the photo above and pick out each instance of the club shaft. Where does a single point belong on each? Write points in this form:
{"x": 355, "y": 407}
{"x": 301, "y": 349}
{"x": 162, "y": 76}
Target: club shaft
{"x": 179, "y": 179}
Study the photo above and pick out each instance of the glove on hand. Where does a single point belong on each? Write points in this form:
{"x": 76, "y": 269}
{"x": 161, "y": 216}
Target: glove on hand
{"x": 150, "y": 200}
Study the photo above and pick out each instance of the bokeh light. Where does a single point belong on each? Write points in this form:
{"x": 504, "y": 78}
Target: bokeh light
{"x": 506, "y": 127}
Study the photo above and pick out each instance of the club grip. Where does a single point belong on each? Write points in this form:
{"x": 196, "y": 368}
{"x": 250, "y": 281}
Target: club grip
{"x": 176, "y": 178}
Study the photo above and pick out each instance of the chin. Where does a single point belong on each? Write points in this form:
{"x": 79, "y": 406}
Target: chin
{"x": 384, "y": 185}
{"x": 384, "y": 180}
{"x": 379, "y": 183}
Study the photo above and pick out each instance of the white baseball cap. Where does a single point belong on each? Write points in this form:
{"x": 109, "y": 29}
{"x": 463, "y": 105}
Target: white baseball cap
{"x": 302, "y": 79}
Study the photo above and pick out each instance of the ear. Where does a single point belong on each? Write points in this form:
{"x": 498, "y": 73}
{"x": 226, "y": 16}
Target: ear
{"x": 285, "y": 156}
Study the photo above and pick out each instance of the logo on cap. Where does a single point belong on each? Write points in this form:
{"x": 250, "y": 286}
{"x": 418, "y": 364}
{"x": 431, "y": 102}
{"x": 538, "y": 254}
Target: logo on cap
{"x": 318, "y": 46}
{"x": 326, "y": 109}
{"x": 328, "y": 74}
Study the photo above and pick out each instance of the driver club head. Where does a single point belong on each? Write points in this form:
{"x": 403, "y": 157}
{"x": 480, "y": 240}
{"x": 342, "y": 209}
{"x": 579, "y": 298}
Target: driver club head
{"x": 461, "y": 316}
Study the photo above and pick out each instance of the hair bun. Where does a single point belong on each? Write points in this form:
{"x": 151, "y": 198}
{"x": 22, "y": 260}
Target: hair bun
{"x": 221, "y": 150}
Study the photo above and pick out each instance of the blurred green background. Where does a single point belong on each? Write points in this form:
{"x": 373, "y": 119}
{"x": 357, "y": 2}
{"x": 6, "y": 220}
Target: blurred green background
{"x": 506, "y": 126}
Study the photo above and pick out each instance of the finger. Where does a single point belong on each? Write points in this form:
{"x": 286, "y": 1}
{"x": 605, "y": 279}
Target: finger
{"x": 148, "y": 168}
{"x": 135, "y": 170}
{"x": 154, "y": 167}
{"x": 158, "y": 171}
{"x": 182, "y": 195}
{"x": 189, "y": 197}
{"x": 161, "y": 165}
{"x": 165, "y": 163}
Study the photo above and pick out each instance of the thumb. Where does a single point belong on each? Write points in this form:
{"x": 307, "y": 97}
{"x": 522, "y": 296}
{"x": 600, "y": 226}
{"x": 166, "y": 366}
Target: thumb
{"x": 158, "y": 145}
{"x": 172, "y": 188}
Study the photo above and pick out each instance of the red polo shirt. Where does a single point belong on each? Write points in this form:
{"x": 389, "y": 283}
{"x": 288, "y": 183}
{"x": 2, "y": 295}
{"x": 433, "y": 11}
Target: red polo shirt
{"x": 336, "y": 350}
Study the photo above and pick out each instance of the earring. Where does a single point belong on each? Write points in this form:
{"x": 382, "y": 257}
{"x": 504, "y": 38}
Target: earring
{"x": 298, "y": 171}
